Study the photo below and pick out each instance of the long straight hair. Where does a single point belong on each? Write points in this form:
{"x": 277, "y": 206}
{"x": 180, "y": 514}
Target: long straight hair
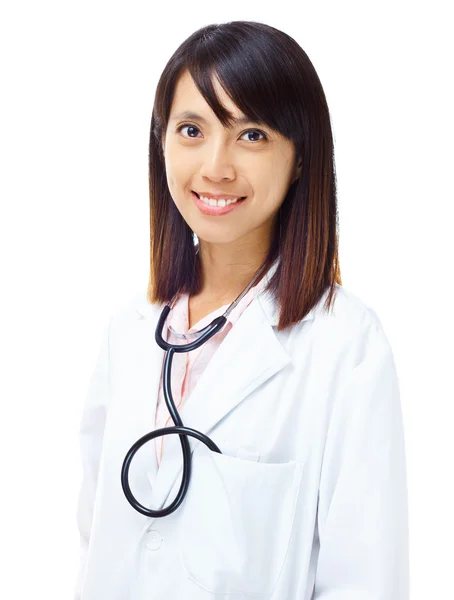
{"x": 271, "y": 80}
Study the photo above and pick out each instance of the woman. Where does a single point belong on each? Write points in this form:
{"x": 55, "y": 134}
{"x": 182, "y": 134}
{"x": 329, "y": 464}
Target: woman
{"x": 306, "y": 498}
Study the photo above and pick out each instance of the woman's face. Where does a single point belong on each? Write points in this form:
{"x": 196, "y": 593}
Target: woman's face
{"x": 202, "y": 156}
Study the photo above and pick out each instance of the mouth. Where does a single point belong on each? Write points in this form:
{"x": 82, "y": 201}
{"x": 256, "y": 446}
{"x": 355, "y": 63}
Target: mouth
{"x": 213, "y": 211}
{"x": 239, "y": 200}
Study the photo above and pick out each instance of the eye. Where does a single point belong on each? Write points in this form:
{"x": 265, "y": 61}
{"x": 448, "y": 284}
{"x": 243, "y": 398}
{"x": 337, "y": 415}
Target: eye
{"x": 191, "y": 127}
{"x": 188, "y": 125}
{"x": 256, "y": 131}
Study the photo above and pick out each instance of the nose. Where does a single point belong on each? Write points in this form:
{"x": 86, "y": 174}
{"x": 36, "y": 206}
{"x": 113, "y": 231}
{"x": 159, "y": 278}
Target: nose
{"x": 217, "y": 164}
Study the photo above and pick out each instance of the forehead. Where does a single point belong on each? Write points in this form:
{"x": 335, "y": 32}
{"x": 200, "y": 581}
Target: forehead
{"x": 188, "y": 102}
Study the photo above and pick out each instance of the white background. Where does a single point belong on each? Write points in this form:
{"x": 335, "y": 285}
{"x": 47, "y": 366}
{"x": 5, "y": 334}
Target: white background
{"x": 78, "y": 82}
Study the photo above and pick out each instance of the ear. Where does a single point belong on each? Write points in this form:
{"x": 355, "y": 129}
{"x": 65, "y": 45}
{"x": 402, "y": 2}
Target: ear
{"x": 297, "y": 171}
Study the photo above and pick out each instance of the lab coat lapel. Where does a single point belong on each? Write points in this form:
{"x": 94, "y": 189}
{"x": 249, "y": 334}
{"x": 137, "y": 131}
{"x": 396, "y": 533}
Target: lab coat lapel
{"x": 247, "y": 357}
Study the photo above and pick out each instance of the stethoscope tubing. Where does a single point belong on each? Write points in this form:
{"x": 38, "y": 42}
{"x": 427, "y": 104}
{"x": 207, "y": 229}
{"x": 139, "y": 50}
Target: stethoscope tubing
{"x": 184, "y": 432}
{"x": 179, "y": 428}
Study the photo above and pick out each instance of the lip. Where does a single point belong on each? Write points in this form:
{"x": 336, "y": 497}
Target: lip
{"x": 216, "y": 211}
{"x": 219, "y": 196}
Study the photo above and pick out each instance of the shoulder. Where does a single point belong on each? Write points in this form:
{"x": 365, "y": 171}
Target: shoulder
{"x": 133, "y": 308}
{"x": 350, "y": 309}
{"x": 346, "y": 310}
{"x": 349, "y": 322}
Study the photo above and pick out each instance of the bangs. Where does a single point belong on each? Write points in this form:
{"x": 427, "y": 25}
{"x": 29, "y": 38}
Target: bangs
{"x": 253, "y": 76}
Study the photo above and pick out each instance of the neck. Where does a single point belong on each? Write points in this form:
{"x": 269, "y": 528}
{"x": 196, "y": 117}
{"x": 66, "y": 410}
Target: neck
{"x": 225, "y": 276}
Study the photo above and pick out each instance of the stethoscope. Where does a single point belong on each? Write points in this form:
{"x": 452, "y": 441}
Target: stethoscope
{"x": 201, "y": 337}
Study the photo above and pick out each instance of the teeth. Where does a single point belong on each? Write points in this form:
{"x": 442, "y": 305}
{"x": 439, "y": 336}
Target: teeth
{"x": 213, "y": 202}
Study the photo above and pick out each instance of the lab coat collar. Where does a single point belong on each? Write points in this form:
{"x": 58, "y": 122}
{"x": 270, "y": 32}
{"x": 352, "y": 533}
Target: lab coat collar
{"x": 265, "y": 300}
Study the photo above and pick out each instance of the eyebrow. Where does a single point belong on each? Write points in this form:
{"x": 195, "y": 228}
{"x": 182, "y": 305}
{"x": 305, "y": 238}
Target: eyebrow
{"x": 188, "y": 114}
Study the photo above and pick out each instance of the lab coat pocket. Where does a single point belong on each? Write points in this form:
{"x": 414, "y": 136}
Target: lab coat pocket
{"x": 236, "y": 522}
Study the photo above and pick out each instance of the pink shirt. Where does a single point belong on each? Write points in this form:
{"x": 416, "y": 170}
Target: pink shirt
{"x": 187, "y": 367}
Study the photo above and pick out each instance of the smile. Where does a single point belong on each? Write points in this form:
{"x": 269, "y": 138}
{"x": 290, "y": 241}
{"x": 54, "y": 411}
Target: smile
{"x": 214, "y": 202}
{"x": 215, "y": 208}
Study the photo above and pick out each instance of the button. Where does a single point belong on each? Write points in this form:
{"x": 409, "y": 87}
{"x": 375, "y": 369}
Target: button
{"x": 153, "y": 540}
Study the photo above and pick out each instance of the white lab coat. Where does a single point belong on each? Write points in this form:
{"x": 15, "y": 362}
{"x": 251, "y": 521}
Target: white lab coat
{"x": 308, "y": 500}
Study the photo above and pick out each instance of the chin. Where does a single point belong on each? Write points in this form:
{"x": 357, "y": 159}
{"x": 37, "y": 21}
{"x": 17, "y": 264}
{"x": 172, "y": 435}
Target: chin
{"x": 217, "y": 237}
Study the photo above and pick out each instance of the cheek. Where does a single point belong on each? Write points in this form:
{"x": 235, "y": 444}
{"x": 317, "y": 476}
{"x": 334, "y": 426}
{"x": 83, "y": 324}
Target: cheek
{"x": 178, "y": 172}
{"x": 178, "y": 184}
{"x": 174, "y": 178}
